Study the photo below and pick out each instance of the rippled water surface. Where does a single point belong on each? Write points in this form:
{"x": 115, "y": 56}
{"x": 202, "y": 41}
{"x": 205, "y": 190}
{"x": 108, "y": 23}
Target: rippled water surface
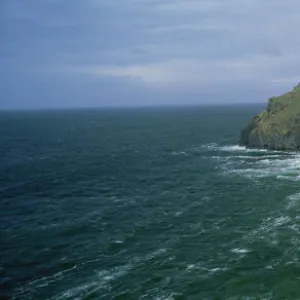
{"x": 145, "y": 204}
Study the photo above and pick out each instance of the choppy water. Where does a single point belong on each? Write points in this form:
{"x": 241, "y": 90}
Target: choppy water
{"x": 145, "y": 204}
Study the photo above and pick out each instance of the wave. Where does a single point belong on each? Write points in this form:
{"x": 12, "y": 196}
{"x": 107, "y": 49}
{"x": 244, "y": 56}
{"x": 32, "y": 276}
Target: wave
{"x": 269, "y": 226}
{"x": 236, "y": 148}
{"x": 293, "y": 201}
{"x": 96, "y": 284}
{"x": 249, "y": 163}
{"x": 257, "y": 163}
{"x": 240, "y": 251}
{"x": 230, "y": 148}
{"x": 241, "y": 149}
{"x": 277, "y": 231}
{"x": 43, "y": 282}
{"x": 104, "y": 278}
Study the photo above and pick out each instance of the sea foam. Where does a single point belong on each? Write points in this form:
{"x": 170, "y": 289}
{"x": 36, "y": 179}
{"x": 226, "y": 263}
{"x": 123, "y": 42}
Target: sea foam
{"x": 250, "y": 164}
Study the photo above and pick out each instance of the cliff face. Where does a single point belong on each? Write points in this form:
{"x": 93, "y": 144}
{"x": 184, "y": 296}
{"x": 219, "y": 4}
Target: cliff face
{"x": 278, "y": 126}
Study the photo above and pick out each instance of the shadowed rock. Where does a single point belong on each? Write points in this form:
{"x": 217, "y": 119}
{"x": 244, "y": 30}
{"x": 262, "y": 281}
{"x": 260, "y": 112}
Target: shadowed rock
{"x": 278, "y": 126}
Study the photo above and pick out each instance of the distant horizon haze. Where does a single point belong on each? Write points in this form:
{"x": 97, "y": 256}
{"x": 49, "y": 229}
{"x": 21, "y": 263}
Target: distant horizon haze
{"x": 131, "y": 107}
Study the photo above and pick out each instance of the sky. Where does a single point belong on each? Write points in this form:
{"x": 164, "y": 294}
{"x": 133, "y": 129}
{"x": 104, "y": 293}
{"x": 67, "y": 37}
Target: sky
{"x": 90, "y": 53}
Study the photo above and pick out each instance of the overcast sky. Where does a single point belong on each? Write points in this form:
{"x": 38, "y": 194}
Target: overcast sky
{"x": 72, "y": 53}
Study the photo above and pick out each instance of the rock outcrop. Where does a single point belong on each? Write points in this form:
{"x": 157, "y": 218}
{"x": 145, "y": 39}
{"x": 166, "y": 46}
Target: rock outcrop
{"x": 278, "y": 126}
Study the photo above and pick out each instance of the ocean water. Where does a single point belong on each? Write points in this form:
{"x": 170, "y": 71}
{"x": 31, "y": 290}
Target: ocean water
{"x": 145, "y": 204}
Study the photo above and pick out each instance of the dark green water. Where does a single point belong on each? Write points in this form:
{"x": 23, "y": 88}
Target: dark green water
{"x": 145, "y": 204}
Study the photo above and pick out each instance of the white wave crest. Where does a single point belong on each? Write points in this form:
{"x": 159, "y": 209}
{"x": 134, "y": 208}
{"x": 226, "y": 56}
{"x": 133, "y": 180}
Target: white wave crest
{"x": 293, "y": 201}
{"x": 240, "y": 251}
{"x": 281, "y": 165}
{"x": 270, "y": 226}
{"x": 230, "y": 148}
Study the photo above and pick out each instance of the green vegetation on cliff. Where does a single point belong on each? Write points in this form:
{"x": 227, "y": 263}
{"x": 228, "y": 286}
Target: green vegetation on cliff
{"x": 278, "y": 126}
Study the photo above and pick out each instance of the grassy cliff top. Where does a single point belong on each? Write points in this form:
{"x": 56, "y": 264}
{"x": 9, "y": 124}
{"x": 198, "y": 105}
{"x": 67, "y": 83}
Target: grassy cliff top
{"x": 282, "y": 110}
{"x": 278, "y": 126}
{"x": 294, "y": 95}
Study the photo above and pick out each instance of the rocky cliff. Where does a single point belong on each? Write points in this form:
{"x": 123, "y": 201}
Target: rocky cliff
{"x": 278, "y": 126}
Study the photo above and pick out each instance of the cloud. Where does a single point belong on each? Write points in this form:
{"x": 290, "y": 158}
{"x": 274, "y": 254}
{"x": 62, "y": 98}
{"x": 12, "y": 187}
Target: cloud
{"x": 201, "y": 42}
{"x": 152, "y": 45}
{"x": 189, "y": 73}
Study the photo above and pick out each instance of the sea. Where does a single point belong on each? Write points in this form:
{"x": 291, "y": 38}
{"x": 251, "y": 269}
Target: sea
{"x": 145, "y": 203}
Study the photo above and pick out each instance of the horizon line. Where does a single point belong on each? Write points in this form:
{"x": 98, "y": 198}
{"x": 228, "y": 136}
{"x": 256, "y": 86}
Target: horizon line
{"x": 113, "y": 107}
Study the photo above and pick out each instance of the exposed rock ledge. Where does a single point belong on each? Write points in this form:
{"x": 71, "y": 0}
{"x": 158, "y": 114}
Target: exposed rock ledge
{"x": 278, "y": 126}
